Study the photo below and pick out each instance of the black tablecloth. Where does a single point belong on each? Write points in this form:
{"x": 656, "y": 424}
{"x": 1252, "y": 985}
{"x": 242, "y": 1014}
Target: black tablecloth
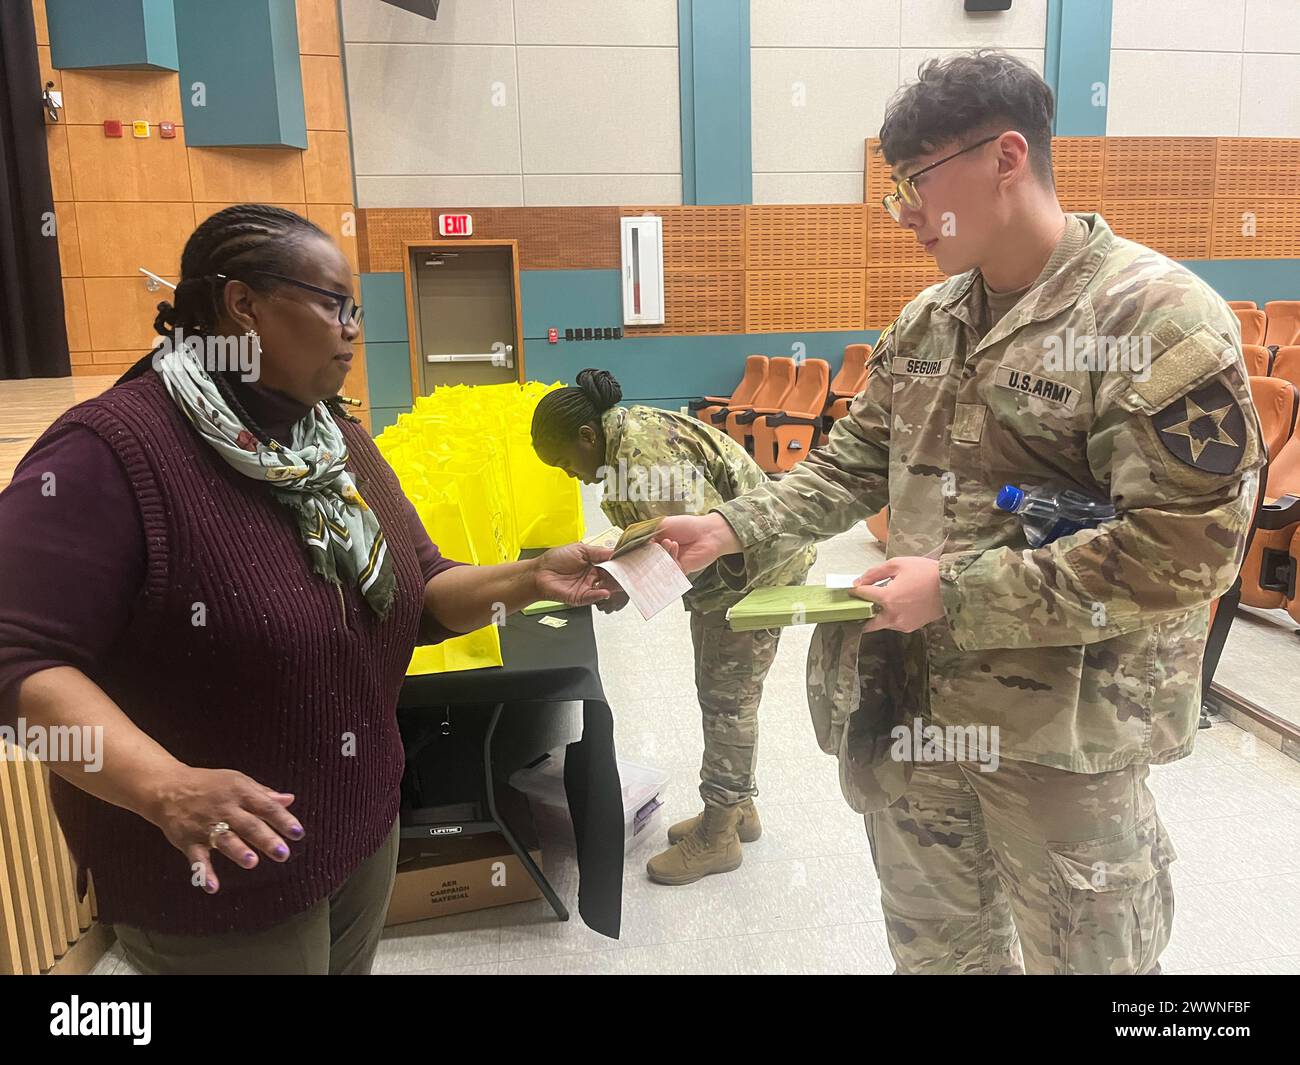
{"x": 549, "y": 665}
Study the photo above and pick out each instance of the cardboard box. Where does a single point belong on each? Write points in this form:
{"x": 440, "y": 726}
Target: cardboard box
{"x": 436, "y": 877}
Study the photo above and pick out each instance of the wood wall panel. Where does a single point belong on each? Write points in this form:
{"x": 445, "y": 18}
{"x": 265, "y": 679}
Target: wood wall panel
{"x": 1275, "y": 224}
{"x": 822, "y": 236}
{"x": 889, "y": 244}
{"x": 786, "y": 301}
{"x": 1179, "y": 229}
{"x": 1155, "y": 168}
{"x": 890, "y": 289}
{"x": 550, "y": 238}
{"x": 387, "y": 231}
{"x": 875, "y": 179}
{"x": 1267, "y": 168}
{"x": 700, "y": 239}
{"x": 699, "y": 302}
{"x": 1078, "y": 164}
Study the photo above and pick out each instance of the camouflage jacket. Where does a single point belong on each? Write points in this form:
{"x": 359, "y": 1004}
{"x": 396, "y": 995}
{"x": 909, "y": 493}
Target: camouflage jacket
{"x": 658, "y": 463}
{"x": 1085, "y": 653}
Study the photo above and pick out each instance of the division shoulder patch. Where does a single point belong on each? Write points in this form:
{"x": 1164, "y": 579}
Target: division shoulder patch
{"x": 1205, "y": 429}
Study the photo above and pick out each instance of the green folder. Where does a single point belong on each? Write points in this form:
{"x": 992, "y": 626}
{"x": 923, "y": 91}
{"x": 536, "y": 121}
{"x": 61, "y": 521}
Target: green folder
{"x": 810, "y": 604}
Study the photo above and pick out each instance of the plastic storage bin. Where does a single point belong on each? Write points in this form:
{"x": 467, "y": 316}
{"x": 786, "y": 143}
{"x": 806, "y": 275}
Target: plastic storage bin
{"x": 543, "y": 782}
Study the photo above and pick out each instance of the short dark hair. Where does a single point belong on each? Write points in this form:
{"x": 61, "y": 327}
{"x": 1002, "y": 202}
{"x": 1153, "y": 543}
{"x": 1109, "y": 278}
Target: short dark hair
{"x": 966, "y": 94}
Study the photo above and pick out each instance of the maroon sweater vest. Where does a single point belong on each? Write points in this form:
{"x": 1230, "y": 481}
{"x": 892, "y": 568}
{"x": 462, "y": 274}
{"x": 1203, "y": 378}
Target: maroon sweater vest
{"x": 280, "y": 681}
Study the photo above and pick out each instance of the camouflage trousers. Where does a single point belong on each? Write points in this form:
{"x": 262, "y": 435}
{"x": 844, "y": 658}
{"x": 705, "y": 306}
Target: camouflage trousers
{"x": 729, "y": 672}
{"x": 1025, "y": 868}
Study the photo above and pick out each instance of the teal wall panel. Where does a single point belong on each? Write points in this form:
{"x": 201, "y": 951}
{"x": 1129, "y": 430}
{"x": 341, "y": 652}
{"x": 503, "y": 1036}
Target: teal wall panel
{"x": 244, "y": 55}
{"x": 673, "y": 369}
{"x": 1260, "y": 280}
{"x": 382, "y": 417}
{"x": 714, "y": 94}
{"x": 384, "y": 298}
{"x": 388, "y": 373}
{"x": 1077, "y": 65}
{"x": 111, "y": 34}
{"x": 568, "y": 298}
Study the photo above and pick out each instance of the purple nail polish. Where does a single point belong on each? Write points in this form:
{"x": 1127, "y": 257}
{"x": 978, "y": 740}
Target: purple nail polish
{"x": 250, "y": 857}
{"x": 296, "y": 831}
{"x": 212, "y": 885}
{"x": 281, "y": 851}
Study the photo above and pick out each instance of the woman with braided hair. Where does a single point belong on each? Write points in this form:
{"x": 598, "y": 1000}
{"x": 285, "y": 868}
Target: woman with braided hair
{"x": 219, "y": 584}
{"x": 653, "y": 463}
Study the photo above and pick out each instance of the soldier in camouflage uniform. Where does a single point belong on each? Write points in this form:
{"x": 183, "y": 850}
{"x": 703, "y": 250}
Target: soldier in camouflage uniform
{"x": 1083, "y": 656}
{"x": 653, "y": 463}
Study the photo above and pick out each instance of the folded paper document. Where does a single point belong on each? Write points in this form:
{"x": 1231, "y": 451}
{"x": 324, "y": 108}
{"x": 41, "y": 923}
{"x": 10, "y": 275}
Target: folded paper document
{"x": 650, "y": 577}
{"x": 810, "y": 604}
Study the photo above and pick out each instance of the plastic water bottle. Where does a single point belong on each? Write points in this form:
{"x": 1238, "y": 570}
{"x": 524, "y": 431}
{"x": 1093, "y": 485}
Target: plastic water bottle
{"x": 1051, "y": 511}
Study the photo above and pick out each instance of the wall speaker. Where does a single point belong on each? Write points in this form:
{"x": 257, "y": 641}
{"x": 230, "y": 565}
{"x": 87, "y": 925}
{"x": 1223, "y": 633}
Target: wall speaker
{"x": 976, "y": 5}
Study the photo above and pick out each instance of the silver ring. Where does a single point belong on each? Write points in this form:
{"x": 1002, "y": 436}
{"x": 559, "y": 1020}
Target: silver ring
{"x": 216, "y": 830}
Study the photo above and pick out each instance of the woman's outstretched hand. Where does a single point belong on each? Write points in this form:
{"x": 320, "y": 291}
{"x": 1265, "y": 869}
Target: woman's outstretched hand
{"x": 569, "y": 575}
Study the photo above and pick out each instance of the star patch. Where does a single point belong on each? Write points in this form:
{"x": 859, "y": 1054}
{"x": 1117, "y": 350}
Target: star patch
{"x": 1205, "y": 429}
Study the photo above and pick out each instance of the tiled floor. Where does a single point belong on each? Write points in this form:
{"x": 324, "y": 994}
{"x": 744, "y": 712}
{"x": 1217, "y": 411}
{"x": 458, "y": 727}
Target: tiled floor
{"x": 806, "y": 898}
{"x": 1257, "y": 641}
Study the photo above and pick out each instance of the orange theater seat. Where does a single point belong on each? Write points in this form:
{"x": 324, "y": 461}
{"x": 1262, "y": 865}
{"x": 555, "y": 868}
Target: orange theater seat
{"x": 1282, "y": 324}
{"x": 1276, "y": 402}
{"x": 1252, "y": 326}
{"x": 1268, "y": 574}
{"x": 783, "y": 438}
{"x": 1286, "y": 364}
{"x": 707, "y": 408}
{"x": 769, "y": 399}
{"x": 852, "y": 372}
{"x": 1258, "y": 359}
{"x": 844, "y": 387}
{"x": 1243, "y": 305}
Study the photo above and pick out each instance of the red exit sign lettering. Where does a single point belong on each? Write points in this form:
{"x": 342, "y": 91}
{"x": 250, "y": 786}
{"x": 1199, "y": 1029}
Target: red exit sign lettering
{"x": 455, "y": 225}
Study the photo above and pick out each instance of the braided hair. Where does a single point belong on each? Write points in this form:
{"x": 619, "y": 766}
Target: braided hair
{"x": 233, "y": 244}
{"x": 560, "y": 414}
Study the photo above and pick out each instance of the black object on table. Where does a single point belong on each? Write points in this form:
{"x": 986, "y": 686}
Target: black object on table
{"x": 546, "y": 665}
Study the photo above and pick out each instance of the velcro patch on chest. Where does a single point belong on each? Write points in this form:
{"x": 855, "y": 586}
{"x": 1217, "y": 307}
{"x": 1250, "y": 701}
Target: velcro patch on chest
{"x": 1037, "y": 386}
{"x": 908, "y": 366}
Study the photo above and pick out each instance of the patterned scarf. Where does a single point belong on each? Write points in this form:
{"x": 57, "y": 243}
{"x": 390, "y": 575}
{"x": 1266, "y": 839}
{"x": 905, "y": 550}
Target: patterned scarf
{"x": 340, "y": 531}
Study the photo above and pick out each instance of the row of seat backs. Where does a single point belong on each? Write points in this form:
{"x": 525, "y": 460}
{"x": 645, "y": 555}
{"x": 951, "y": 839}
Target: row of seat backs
{"x": 1277, "y": 325}
{"x": 1268, "y": 573}
{"x": 1283, "y": 362}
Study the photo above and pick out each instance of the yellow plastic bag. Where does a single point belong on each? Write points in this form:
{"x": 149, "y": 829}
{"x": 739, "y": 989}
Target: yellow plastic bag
{"x": 465, "y": 459}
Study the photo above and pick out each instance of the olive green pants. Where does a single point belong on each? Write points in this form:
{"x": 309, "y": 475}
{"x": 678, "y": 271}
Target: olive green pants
{"x": 338, "y": 936}
{"x": 1026, "y": 868}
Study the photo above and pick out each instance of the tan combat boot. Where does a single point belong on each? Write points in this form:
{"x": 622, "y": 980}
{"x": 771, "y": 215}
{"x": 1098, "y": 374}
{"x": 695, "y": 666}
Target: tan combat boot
{"x": 750, "y": 826}
{"x": 713, "y": 846}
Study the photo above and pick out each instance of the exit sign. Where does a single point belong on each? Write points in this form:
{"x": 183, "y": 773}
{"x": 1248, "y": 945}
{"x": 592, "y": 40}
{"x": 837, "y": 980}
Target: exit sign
{"x": 455, "y": 225}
